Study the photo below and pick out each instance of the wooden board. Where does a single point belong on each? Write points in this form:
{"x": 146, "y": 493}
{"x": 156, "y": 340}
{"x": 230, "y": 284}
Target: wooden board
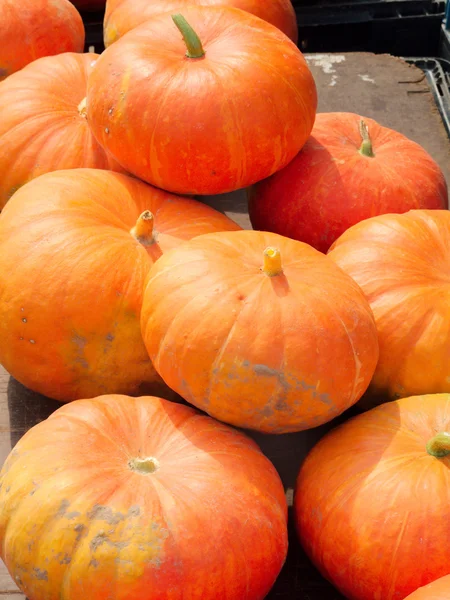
{"x": 372, "y": 87}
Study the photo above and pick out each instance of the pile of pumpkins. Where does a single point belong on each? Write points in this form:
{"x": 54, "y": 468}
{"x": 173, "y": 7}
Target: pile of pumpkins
{"x": 122, "y": 294}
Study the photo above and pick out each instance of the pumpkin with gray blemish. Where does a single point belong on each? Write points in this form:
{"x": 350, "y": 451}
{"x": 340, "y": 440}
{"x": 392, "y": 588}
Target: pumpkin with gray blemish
{"x": 258, "y": 330}
{"x": 143, "y": 499}
{"x": 75, "y": 250}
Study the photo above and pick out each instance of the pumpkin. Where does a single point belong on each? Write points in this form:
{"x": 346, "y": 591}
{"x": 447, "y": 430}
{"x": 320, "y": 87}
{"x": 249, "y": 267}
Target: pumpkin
{"x": 350, "y": 169}
{"x": 75, "y": 249}
{"x": 35, "y": 28}
{"x": 437, "y": 590}
{"x": 401, "y": 262}
{"x": 123, "y": 15}
{"x": 258, "y": 330}
{"x": 43, "y": 126}
{"x": 236, "y": 108}
{"x": 157, "y": 502}
{"x": 372, "y": 499}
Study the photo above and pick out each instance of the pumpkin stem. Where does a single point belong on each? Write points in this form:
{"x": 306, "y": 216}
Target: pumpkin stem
{"x": 272, "y": 262}
{"x": 144, "y": 466}
{"x": 82, "y": 108}
{"x": 191, "y": 39}
{"x": 143, "y": 230}
{"x": 366, "y": 148}
{"x": 439, "y": 446}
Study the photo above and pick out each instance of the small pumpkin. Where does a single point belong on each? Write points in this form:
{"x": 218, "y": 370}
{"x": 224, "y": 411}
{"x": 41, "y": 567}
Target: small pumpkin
{"x": 401, "y": 262}
{"x": 350, "y": 169}
{"x": 43, "y": 126}
{"x": 437, "y": 590}
{"x": 123, "y": 15}
{"x": 35, "y": 28}
{"x": 75, "y": 250}
{"x": 142, "y": 499}
{"x": 372, "y": 500}
{"x": 235, "y": 108}
{"x": 258, "y": 330}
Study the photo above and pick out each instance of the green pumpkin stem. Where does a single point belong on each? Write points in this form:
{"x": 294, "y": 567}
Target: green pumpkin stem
{"x": 272, "y": 262}
{"x": 191, "y": 39}
{"x": 439, "y": 446}
{"x": 366, "y": 148}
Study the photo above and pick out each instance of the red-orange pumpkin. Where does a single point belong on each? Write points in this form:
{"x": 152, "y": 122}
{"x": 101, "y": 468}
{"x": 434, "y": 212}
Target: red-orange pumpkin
{"x": 43, "y": 124}
{"x": 75, "y": 250}
{"x": 401, "y": 262}
{"x": 123, "y": 15}
{"x": 141, "y": 499}
{"x": 31, "y": 29}
{"x": 238, "y": 108}
{"x": 438, "y": 590}
{"x": 350, "y": 169}
{"x": 258, "y": 341}
{"x": 372, "y": 501}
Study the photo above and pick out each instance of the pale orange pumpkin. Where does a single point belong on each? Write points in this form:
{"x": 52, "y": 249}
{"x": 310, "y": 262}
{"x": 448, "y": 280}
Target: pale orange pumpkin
{"x": 437, "y": 590}
{"x": 141, "y": 499}
{"x": 401, "y": 262}
{"x": 258, "y": 330}
{"x": 75, "y": 250}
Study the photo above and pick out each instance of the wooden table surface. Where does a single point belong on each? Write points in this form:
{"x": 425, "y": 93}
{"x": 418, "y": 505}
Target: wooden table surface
{"x": 362, "y": 83}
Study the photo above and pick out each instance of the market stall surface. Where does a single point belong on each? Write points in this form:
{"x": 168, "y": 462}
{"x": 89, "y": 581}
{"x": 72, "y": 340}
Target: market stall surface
{"x": 381, "y": 87}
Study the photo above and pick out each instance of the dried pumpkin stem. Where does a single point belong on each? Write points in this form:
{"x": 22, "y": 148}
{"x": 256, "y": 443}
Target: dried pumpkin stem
{"x": 272, "y": 262}
{"x": 366, "y": 148}
{"x": 439, "y": 446}
{"x": 143, "y": 230}
{"x": 144, "y": 466}
{"x": 82, "y": 108}
{"x": 191, "y": 39}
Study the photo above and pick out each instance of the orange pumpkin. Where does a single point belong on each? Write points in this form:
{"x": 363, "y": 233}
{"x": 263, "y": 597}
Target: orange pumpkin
{"x": 350, "y": 169}
{"x": 235, "y": 108}
{"x": 438, "y": 590}
{"x": 372, "y": 501}
{"x": 75, "y": 249}
{"x": 142, "y": 499}
{"x": 43, "y": 126}
{"x": 123, "y": 15}
{"x": 258, "y": 330}
{"x": 401, "y": 262}
{"x": 35, "y": 28}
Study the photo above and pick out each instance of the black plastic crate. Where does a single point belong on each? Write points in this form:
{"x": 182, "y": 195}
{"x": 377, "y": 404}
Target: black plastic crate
{"x": 399, "y": 27}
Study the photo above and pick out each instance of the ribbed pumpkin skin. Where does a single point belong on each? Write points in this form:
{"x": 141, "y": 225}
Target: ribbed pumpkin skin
{"x": 43, "y": 126}
{"x": 35, "y": 28}
{"x": 329, "y": 186}
{"x": 78, "y": 523}
{"x": 226, "y": 120}
{"x": 123, "y": 15}
{"x": 437, "y": 590}
{"x": 401, "y": 262}
{"x": 372, "y": 507}
{"x": 72, "y": 279}
{"x": 275, "y": 354}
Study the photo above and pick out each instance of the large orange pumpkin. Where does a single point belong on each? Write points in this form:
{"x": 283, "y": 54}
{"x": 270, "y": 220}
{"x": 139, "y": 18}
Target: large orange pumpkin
{"x": 236, "y": 107}
{"x": 31, "y": 29}
{"x": 75, "y": 249}
{"x": 123, "y": 15}
{"x": 401, "y": 262}
{"x": 43, "y": 125}
{"x": 350, "y": 169}
{"x": 372, "y": 501}
{"x": 258, "y": 330}
{"x": 437, "y": 590}
{"x": 141, "y": 499}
